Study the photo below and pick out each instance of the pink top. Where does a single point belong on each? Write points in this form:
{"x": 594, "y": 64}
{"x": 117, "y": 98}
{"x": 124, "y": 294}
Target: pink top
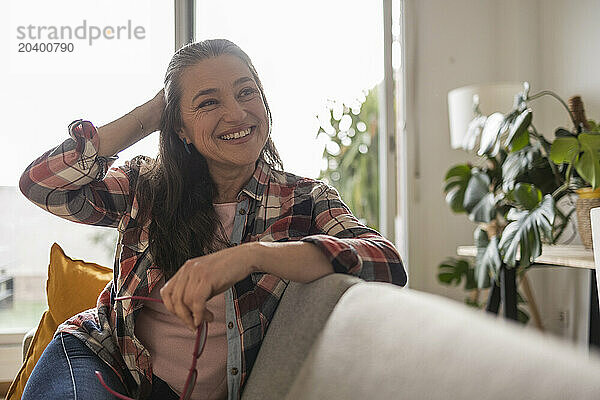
{"x": 171, "y": 343}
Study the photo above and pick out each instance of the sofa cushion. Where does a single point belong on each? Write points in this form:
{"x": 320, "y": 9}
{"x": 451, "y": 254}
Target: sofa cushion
{"x": 72, "y": 286}
{"x": 382, "y": 342}
{"x": 300, "y": 316}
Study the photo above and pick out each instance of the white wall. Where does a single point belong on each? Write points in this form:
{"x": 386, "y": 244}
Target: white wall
{"x": 569, "y": 59}
{"x": 452, "y": 44}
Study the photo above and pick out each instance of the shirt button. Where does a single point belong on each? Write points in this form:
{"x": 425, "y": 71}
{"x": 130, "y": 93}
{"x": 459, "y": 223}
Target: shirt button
{"x": 242, "y": 211}
{"x": 234, "y": 371}
{"x": 230, "y": 325}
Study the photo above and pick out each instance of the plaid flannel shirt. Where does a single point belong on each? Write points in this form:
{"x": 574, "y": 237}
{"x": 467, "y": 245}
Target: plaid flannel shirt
{"x": 73, "y": 182}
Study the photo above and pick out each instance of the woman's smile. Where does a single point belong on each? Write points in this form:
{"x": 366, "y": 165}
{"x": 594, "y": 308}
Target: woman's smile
{"x": 238, "y": 137}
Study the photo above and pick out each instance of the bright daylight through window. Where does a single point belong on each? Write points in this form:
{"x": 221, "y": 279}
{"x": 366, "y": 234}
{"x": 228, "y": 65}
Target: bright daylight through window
{"x": 320, "y": 63}
{"x": 110, "y": 58}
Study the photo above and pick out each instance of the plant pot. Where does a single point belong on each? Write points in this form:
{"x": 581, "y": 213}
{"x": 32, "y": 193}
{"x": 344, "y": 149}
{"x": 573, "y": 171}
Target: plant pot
{"x": 587, "y": 198}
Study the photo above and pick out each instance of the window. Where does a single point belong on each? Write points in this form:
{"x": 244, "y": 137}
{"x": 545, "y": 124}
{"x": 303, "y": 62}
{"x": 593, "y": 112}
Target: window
{"x": 98, "y": 61}
{"x": 312, "y": 57}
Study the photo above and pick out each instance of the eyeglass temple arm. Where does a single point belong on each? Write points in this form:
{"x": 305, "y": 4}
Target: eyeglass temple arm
{"x": 138, "y": 298}
{"x": 118, "y": 395}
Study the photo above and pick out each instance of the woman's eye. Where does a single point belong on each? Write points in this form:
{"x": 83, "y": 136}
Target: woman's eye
{"x": 247, "y": 91}
{"x": 206, "y": 103}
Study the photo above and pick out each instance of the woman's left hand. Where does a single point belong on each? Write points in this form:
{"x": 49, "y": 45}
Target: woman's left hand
{"x": 201, "y": 278}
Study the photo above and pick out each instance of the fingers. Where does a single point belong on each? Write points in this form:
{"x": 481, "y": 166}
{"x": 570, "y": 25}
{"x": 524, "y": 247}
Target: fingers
{"x": 172, "y": 296}
{"x": 200, "y": 312}
{"x": 197, "y": 293}
{"x": 185, "y": 295}
{"x": 183, "y": 312}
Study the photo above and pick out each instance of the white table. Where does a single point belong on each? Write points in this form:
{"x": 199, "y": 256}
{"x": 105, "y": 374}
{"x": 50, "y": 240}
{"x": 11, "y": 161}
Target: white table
{"x": 572, "y": 256}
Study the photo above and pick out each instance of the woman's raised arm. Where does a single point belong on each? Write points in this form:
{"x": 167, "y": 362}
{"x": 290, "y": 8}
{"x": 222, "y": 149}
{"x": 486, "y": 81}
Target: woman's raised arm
{"x": 73, "y": 180}
{"x": 131, "y": 127}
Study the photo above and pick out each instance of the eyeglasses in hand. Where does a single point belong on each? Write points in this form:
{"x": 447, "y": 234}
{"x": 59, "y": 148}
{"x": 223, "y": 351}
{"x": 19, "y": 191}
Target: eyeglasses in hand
{"x": 190, "y": 382}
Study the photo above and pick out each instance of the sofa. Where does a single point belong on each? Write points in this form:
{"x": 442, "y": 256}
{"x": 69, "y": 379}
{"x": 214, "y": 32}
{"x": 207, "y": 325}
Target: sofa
{"x": 340, "y": 337}
{"x": 343, "y": 338}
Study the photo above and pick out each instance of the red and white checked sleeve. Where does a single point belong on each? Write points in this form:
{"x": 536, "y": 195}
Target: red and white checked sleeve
{"x": 352, "y": 247}
{"x": 73, "y": 182}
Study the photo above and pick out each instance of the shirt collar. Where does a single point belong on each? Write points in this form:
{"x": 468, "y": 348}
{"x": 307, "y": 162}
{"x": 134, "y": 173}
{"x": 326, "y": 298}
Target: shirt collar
{"x": 259, "y": 180}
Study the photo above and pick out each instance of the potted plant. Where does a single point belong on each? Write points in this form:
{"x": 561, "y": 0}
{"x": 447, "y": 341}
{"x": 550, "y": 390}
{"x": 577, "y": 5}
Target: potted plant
{"x": 512, "y": 192}
{"x": 579, "y": 149}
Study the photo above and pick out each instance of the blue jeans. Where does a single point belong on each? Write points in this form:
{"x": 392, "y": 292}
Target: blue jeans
{"x": 66, "y": 371}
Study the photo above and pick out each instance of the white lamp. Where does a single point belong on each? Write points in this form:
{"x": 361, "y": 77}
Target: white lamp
{"x": 493, "y": 97}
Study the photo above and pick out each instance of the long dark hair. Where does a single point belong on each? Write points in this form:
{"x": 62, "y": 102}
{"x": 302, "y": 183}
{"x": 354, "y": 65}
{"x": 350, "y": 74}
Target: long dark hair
{"x": 177, "y": 193}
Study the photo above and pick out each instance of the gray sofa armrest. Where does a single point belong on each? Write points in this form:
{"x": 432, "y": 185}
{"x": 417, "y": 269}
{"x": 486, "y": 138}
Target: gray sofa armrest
{"x": 383, "y": 342}
{"x": 298, "y": 320}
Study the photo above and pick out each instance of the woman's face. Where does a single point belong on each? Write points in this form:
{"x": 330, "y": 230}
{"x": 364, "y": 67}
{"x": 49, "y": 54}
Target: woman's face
{"x": 223, "y": 113}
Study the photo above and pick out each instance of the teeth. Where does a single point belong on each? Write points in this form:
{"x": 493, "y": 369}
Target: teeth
{"x": 237, "y": 135}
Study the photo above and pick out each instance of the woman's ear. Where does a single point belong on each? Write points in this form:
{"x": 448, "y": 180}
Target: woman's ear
{"x": 181, "y": 135}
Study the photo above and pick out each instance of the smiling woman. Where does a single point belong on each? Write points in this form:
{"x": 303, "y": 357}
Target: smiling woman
{"x": 221, "y": 110}
{"x": 213, "y": 228}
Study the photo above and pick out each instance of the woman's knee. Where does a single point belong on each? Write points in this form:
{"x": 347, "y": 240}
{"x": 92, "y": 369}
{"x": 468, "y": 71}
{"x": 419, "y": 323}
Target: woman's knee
{"x": 66, "y": 371}
{"x": 50, "y": 378}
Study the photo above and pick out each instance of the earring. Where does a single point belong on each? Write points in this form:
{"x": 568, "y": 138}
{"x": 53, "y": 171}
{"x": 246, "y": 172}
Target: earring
{"x": 187, "y": 148}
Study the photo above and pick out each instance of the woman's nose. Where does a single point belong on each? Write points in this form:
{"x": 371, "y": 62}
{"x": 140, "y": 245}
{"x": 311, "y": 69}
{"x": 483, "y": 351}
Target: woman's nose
{"x": 234, "y": 112}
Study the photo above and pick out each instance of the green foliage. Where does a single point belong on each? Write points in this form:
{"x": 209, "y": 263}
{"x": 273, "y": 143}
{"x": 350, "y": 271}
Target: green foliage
{"x": 518, "y": 136}
{"x": 488, "y": 260}
{"x": 528, "y": 165}
{"x": 457, "y": 271}
{"x": 457, "y": 179}
{"x": 512, "y": 193}
{"x": 525, "y": 196}
{"x": 351, "y": 156}
{"x": 516, "y": 183}
{"x": 479, "y": 200}
{"x": 526, "y": 230}
{"x": 453, "y": 271}
{"x": 564, "y": 150}
{"x": 582, "y": 151}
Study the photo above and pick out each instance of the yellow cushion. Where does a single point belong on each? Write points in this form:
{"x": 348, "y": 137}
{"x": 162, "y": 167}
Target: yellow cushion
{"x": 72, "y": 286}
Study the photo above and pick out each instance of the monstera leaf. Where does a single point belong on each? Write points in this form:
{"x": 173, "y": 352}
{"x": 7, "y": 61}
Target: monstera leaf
{"x": 565, "y": 149}
{"x": 516, "y": 164}
{"x": 452, "y": 271}
{"x": 526, "y": 229}
{"x": 490, "y": 134}
{"x": 588, "y": 165}
{"x": 473, "y": 132}
{"x": 488, "y": 257}
{"x": 528, "y": 165}
{"x": 583, "y": 151}
{"x": 479, "y": 200}
{"x": 457, "y": 179}
{"x": 525, "y": 195}
{"x": 518, "y": 136}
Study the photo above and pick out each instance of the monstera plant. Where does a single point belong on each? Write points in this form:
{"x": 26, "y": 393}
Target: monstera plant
{"x": 513, "y": 190}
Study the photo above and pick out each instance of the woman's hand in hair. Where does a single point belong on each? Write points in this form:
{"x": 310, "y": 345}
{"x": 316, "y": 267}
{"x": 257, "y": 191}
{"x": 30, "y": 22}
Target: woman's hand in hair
{"x": 151, "y": 112}
{"x": 131, "y": 127}
{"x": 201, "y": 278}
